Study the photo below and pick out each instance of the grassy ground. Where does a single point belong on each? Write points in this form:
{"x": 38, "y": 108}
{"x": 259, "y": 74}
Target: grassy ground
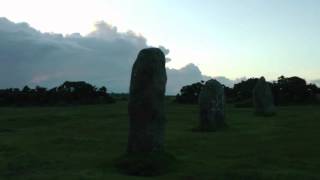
{"x": 79, "y": 143}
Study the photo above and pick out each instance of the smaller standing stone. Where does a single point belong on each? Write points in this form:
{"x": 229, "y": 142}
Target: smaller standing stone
{"x": 212, "y": 110}
{"x": 263, "y": 99}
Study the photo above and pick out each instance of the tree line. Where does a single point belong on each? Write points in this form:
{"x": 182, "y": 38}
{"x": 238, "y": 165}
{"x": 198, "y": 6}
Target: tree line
{"x": 69, "y": 93}
{"x": 286, "y": 91}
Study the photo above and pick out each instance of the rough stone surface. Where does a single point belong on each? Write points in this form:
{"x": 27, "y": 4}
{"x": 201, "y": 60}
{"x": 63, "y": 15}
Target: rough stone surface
{"x": 146, "y": 102}
{"x": 212, "y": 110}
{"x": 263, "y": 99}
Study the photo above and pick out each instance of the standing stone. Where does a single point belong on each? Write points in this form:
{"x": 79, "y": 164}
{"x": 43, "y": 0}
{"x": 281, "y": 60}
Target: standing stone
{"x": 211, "y": 102}
{"x": 145, "y": 151}
{"x": 263, "y": 99}
{"x": 146, "y": 102}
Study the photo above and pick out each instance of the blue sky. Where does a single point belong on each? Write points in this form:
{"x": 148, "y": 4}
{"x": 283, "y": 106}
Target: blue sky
{"x": 232, "y": 38}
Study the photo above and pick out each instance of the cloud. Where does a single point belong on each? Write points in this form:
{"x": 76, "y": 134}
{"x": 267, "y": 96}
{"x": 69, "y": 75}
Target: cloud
{"x": 103, "y": 57}
{"x": 225, "y": 81}
{"x": 181, "y": 77}
{"x": 316, "y": 82}
{"x": 166, "y": 52}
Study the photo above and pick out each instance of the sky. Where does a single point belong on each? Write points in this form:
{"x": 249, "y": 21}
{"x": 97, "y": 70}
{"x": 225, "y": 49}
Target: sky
{"x": 230, "y": 38}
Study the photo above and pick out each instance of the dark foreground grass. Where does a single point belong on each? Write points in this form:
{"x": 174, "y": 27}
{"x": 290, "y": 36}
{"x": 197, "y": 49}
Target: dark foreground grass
{"x": 80, "y": 143}
{"x": 146, "y": 164}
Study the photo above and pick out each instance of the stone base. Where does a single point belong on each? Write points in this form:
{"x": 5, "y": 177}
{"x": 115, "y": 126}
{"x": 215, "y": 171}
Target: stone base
{"x": 146, "y": 164}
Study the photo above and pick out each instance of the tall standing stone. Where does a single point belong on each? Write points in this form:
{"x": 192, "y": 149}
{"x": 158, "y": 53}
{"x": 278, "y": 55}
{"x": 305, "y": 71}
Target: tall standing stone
{"x": 145, "y": 151}
{"x": 211, "y": 103}
{"x": 263, "y": 99}
{"x": 146, "y": 102}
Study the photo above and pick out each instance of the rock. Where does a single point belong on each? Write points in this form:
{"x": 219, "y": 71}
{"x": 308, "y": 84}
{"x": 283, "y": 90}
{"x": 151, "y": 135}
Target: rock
{"x": 145, "y": 152}
{"x": 146, "y": 102}
{"x": 211, "y": 103}
{"x": 263, "y": 99}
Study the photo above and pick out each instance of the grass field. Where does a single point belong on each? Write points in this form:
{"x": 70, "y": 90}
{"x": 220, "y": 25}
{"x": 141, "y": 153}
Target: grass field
{"x": 80, "y": 143}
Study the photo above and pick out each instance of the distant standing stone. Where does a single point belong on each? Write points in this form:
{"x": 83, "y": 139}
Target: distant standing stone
{"x": 211, "y": 103}
{"x": 263, "y": 99}
{"x": 146, "y": 102}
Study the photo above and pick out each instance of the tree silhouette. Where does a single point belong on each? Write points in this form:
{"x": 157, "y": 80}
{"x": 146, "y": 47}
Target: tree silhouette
{"x": 65, "y": 94}
{"x": 189, "y": 94}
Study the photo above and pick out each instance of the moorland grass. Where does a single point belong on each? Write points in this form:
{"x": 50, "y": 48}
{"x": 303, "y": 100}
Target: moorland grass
{"x": 82, "y": 142}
